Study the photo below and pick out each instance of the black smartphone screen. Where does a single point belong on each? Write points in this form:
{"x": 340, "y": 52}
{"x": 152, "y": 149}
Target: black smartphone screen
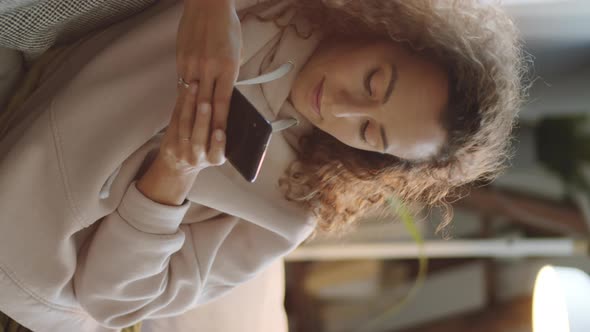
{"x": 248, "y": 135}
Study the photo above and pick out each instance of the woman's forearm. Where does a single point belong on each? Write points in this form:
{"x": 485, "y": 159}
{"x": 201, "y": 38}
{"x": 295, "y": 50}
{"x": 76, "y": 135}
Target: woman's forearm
{"x": 164, "y": 185}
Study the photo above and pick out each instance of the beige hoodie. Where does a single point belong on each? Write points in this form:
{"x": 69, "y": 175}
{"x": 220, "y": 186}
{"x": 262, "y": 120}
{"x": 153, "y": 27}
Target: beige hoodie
{"x": 81, "y": 249}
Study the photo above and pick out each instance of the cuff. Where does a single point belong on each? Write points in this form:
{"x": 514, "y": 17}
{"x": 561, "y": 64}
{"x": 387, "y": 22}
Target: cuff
{"x": 148, "y": 216}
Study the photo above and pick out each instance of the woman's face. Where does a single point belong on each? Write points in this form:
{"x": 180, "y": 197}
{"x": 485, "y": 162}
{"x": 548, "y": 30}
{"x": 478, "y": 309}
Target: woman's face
{"x": 375, "y": 96}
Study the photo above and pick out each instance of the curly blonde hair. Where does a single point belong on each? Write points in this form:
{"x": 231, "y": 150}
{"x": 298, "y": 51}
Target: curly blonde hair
{"x": 480, "y": 47}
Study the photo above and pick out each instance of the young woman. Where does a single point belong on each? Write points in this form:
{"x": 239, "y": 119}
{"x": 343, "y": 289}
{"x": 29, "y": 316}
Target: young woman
{"x": 116, "y": 206}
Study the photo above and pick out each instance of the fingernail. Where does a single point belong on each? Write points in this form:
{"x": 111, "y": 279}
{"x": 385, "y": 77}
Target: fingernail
{"x": 194, "y": 87}
{"x": 219, "y": 135}
{"x": 204, "y": 108}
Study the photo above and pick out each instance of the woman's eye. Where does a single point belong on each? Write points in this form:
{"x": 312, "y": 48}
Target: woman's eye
{"x": 368, "y": 82}
{"x": 364, "y": 131}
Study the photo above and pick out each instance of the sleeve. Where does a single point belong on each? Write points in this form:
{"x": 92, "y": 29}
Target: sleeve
{"x": 141, "y": 263}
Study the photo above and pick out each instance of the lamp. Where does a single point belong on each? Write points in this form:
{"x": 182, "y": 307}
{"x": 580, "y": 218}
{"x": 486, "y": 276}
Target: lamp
{"x": 561, "y": 300}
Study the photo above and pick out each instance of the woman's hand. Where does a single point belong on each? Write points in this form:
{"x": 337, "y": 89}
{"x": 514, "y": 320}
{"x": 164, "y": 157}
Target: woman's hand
{"x": 188, "y": 146}
{"x": 209, "y": 43}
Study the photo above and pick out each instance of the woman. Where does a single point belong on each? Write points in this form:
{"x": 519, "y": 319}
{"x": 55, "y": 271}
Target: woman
{"x": 115, "y": 208}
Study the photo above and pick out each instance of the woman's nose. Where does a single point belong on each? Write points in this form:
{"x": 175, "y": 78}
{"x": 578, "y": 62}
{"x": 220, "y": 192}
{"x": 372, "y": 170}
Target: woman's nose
{"x": 351, "y": 111}
{"x": 348, "y": 104}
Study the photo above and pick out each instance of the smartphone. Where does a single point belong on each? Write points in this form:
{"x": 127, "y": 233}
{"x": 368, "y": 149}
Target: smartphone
{"x": 248, "y": 134}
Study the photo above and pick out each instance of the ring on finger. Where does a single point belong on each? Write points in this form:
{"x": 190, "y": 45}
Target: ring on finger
{"x": 183, "y": 83}
{"x": 185, "y": 139}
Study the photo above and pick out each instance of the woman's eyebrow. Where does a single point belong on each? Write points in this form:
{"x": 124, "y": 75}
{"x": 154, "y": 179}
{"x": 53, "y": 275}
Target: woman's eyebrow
{"x": 391, "y": 85}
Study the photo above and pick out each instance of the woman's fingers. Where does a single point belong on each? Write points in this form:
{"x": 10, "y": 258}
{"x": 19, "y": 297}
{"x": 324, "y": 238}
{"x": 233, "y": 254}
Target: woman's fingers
{"x": 222, "y": 94}
{"x": 205, "y": 145}
{"x": 173, "y": 125}
{"x": 210, "y": 117}
{"x": 201, "y": 129}
{"x": 216, "y": 153}
{"x": 196, "y": 148}
{"x": 206, "y": 83}
{"x": 172, "y": 132}
{"x": 188, "y": 97}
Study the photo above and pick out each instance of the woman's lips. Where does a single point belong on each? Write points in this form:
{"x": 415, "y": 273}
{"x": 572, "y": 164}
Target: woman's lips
{"x": 316, "y": 97}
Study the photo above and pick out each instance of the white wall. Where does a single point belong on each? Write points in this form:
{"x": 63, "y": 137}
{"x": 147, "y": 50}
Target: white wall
{"x": 552, "y": 20}
{"x": 557, "y": 35}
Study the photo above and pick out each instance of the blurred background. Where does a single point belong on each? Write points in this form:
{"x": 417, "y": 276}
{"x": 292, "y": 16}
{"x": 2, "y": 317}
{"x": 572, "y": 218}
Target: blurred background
{"x": 537, "y": 213}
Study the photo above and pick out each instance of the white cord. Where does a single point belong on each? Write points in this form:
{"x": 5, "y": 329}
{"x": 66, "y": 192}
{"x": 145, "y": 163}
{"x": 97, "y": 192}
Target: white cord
{"x": 283, "y": 70}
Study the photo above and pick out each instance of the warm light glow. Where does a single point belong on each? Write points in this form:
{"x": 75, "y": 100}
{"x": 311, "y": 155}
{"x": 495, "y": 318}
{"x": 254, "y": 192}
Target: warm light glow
{"x": 549, "y": 305}
{"x": 529, "y": 2}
